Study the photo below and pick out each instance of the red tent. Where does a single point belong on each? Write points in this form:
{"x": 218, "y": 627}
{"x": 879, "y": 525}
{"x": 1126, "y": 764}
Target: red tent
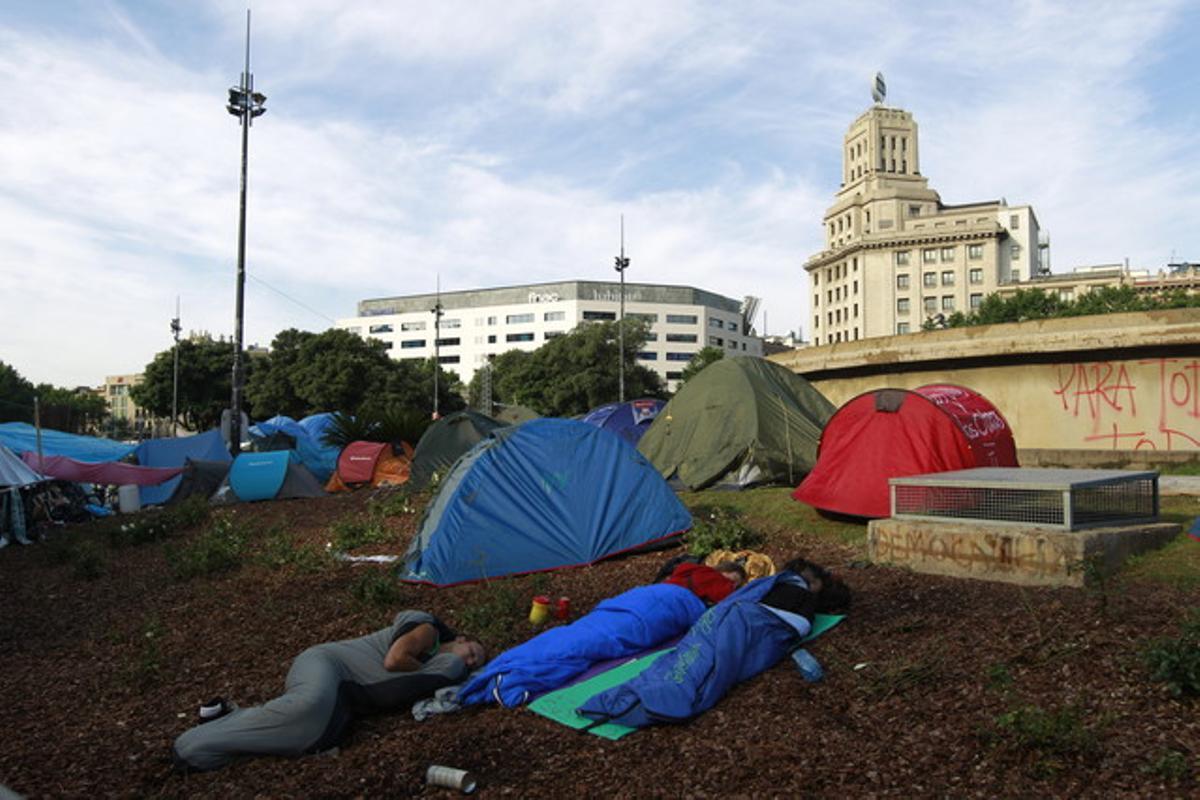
{"x": 890, "y": 433}
{"x": 370, "y": 463}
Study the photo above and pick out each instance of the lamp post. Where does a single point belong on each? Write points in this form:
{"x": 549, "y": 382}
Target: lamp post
{"x": 437, "y": 342}
{"x": 622, "y": 265}
{"x": 175, "y": 329}
{"x": 245, "y": 104}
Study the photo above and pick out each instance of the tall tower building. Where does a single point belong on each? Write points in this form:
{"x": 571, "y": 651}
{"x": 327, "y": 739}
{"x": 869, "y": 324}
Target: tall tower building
{"x": 895, "y": 255}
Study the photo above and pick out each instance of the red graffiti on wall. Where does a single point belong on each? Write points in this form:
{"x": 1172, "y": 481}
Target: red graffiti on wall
{"x": 1100, "y": 389}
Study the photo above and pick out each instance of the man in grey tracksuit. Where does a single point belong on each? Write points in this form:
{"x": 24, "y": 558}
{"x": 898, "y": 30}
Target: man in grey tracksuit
{"x": 329, "y": 685}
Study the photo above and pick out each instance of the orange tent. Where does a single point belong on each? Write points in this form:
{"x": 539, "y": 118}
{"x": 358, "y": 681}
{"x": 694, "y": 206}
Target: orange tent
{"x": 371, "y": 464}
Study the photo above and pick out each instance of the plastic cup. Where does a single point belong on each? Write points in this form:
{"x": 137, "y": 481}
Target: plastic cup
{"x": 562, "y": 609}
{"x": 450, "y": 778}
{"x": 539, "y": 612}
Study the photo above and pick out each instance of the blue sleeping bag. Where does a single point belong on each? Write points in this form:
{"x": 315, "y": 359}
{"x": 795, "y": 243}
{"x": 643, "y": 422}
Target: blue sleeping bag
{"x": 629, "y": 623}
{"x": 735, "y": 640}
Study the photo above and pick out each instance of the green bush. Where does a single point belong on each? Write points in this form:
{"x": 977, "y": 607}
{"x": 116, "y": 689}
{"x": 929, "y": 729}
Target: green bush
{"x": 145, "y": 657}
{"x": 391, "y": 502}
{"x": 88, "y": 561}
{"x": 351, "y": 533}
{"x": 1172, "y": 766}
{"x": 378, "y": 589}
{"x": 218, "y": 549}
{"x": 717, "y": 528}
{"x": 1176, "y": 661}
{"x": 279, "y": 551}
{"x": 154, "y": 525}
{"x": 1047, "y": 737}
{"x": 494, "y": 613}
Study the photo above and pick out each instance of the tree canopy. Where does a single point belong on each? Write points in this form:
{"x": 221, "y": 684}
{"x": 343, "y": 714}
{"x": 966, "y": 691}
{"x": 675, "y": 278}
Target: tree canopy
{"x": 337, "y": 370}
{"x": 205, "y": 381}
{"x": 573, "y": 373}
{"x": 1027, "y": 304}
{"x": 705, "y": 356}
{"x": 70, "y": 410}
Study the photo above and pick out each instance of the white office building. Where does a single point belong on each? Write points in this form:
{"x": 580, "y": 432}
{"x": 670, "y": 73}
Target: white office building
{"x": 479, "y": 324}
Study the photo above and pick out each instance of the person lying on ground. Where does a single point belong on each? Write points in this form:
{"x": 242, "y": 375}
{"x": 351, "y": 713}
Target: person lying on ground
{"x": 625, "y": 625}
{"x": 331, "y": 684}
{"x": 743, "y": 635}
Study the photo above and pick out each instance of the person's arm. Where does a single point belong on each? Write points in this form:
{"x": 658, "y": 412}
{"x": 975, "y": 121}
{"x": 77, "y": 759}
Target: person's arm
{"x": 405, "y": 653}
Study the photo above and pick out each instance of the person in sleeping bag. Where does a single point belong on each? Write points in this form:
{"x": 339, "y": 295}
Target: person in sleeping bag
{"x": 620, "y": 626}
{"x": 743, "y": 635}
{"x": 329, "y": 685}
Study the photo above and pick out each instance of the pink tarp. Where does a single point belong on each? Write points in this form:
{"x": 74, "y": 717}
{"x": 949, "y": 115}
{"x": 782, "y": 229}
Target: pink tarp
{"x": 108, "y": 472}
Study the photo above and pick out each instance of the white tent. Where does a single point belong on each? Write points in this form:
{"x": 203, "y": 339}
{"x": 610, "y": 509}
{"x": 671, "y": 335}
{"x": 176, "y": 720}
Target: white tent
{"x": 14, "y": 474}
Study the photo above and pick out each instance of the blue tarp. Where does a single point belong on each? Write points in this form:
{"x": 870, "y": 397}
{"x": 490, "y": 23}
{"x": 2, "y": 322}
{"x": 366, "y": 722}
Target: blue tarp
{"x": 546, "y": 494}
{"x": 175, "y": 453}
{"x": 620, "y": 626}
{"x": 735, "y": 640}
{"x": 21, "y": 437}
{"x": 318, "y": 457}
{"x": 628, "y": 420}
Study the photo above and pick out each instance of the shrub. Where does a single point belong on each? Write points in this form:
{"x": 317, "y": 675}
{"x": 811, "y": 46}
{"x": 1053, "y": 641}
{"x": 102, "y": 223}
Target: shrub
{"x": 279, "y": 551}
{"x": 716, "y": 528}
{"x": 88, "y": 561}
{"x": 1047, "y": 737}
{"x": 1176, "y": 662}
{"x": 376, "y": 589}
{"x": 495, "y": 611}
{"x": 154, "y": 524}
{"x": 1172, "y": 766}
{"x": 218, "y": 549}
{"x": 145, "y": 655}
{"x": 351, "y": 533}
{"x": 390, "y": 502}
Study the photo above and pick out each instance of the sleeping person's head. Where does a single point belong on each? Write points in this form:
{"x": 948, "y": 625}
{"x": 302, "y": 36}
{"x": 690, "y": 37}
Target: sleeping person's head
{"x": 732, "y": 570}
{"x": 832, "y": 594}
{"x": 469, "y": 650}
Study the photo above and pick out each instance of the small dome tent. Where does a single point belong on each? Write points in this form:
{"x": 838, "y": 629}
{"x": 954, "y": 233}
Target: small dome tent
{"x": 371, "y": 463}
{"x": 629, "y": 420}
{"x": 445, "y": 440}
{"x": 891, "y": 433}
{"x": 275, "y": 475}
{"x": 739, "y": 422}
{"x": 546, "y": 494}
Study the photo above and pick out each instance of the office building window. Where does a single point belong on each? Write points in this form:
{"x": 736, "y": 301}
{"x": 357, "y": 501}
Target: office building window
{"x": 491, "y": 338}
{"x": 554, "y": 316}
{"x": 930, "y": 305}
{"x": 902, "y": 327}
{"x": 856, "y": 310}
{"x": 974, "y": 251}
{"x": 929, "y": 255}
{"x": 642, "y": 316}
{"x": 816, "y": 279}
{"x": 491, "y": 320}
{"x": 716, "y": 341}
{"x": 947, "y": 277}
{"x": 902, "y": 281}
{"x": 681, "y": 319}
{"x": 1016, "y": 276}
{"x": 411, "y": 343}
{"x": 1014, "y": 222}
{"x": 902, "y": 306}
{"x": 518, "y": 319}
{"x": 674, "y": 375}
{"x": 732, "y": 327}
{"x": 914, "y": 211}
{"x": 948, "y": 303}
{"x": 929, "y": 279}
{"x": 976, "y": 276}
{"x": 682, "y": 337}
{"x": 648, "y": 355}
{"x": 598, "y": 316}
{"x": 732, "y": 344}
{"x": 856, "y": 287}
{"x": 901, "y": 258}
{"x": 948, "y": 254}
{"x": 451, "y": 323}
{"x": 385, "y": 328}
{"x": 651, "y": 337}
{"x": 1015, "y": 252}
{"x": 548, "y": 335}
{"x": 519, "y": 337}
{"x": 448, "y": 359}
{"x": 412, "y": 326}
{"x": 976, "y": 301}
{"x": 679, "y": 356}
{"x": 447, "y": 342}
{"x": 713, "y": 322}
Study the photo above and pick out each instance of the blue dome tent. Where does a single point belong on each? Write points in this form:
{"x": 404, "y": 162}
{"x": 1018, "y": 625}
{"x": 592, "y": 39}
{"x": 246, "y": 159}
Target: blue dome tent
{"x": 274, "y": 475}
{"x": 546, "y": 494}
{"x": 629, "y": 420}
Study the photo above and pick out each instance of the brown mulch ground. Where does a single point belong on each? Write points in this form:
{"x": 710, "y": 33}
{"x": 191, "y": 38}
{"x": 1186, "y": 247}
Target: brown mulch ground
{"x": 97, "y": 677}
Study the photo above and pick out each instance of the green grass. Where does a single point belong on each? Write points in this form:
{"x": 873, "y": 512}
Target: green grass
{"x": 1178, "y": 563}
{"x": 1176, "y": 661}
{"x": 773, "y": 511}
{"x": 1047, "y": 739}
{"x": 378, "y": 588}
{"x": 496, "y": 610}
{"x": 279, "y": 551}
{"x": 218, "y": 549}
{"x": 350, "y": 533}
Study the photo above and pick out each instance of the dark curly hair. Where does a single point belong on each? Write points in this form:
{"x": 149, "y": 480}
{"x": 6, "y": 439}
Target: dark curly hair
{"x": 834, "y": 594}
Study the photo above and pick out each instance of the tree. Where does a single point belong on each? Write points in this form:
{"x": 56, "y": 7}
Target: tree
{"x": 337, "y": 370}
{"x": 1026, "y": 304}
{"x": 70, "y": 410}
{"x": 706, "y": 355}
{"x": 205, "y": 381}
{"x": 16, "y": 396}
{"x": 573, "y": 373}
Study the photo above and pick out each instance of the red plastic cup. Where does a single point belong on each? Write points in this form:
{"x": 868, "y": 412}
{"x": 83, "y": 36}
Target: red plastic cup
{"x": 562, "y": 609}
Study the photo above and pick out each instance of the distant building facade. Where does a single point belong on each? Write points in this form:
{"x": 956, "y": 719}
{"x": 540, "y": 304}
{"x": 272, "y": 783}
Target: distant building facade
{"x": 895, "y": 255}
{"x": 126, "y": 417}
{"x": 1070, "y": 285}
{"x": 477, "y": 325}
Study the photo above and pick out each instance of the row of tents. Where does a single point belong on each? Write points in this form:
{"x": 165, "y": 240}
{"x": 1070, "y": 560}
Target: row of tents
{"x": 551, "y": 492}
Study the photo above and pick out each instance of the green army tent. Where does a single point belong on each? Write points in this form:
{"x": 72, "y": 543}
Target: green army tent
{"x": 741, "y": 421}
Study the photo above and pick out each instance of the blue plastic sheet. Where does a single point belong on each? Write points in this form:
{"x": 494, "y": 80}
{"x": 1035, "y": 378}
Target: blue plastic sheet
{"x": 21, "y": 437}
{"x": 175, "y": 453}
{"x": 319, "y": 458}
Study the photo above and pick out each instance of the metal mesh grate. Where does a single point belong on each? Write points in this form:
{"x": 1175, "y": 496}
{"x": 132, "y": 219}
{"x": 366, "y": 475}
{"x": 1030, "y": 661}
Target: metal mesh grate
{"x": 1068, "y": 499}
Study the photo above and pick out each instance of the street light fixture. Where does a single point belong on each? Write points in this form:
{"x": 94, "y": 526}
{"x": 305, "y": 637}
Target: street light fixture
{"x": 622, "y": 265}
{"x": 175, "y": 329}
{"x": 245, "y": 104}
{"x": 437, "y": 343}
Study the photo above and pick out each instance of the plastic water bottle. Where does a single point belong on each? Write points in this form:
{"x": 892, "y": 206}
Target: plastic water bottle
{"x": 808, "y": 666}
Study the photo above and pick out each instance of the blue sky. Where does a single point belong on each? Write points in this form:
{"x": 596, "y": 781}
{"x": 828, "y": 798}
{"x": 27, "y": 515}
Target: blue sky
{"x": 495, "y": 144}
